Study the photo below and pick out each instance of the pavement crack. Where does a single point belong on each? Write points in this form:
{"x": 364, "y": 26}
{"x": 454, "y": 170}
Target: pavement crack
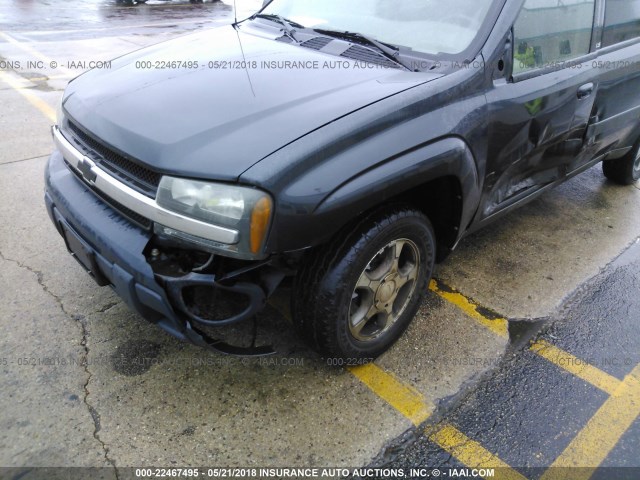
{"x": 82, "y": 322}
{"x": 95, "y": 416}
{"x": 37, "y": 157}
{"x": 40, "y": 279}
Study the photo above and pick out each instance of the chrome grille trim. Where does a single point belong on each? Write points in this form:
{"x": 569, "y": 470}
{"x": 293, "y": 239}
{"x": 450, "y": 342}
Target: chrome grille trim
{"x": 136, "y": 201}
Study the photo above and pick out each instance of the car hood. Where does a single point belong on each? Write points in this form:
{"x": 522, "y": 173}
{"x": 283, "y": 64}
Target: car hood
{"x": 217, "y": 119}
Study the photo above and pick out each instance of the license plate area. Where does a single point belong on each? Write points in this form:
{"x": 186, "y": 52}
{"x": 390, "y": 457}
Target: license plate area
{"x": 83, "y": 253}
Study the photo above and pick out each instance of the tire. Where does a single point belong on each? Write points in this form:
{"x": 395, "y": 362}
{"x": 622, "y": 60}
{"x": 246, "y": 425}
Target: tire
{"x": 625, "y": 170}
{"x": 353, "y": 298}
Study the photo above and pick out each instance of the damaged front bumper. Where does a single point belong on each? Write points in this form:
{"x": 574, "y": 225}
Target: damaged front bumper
{"x": 148, "y": 273}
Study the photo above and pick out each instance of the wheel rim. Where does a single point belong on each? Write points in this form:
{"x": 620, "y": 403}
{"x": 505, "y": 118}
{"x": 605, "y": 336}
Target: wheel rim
{"x": 636, "y": 165}
{"x": 384, "y": 290}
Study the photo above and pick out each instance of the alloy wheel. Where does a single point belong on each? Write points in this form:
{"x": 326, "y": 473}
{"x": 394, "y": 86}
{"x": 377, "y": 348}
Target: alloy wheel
{"x": 384, "y": 290}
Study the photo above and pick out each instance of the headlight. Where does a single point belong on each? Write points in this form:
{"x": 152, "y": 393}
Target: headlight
{"x": 59, "y": 112}
{"x": 246, "y": 210}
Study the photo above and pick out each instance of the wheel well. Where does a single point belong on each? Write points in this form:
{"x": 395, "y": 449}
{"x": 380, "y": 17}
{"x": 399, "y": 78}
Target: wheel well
{"x": 441, "y": 201}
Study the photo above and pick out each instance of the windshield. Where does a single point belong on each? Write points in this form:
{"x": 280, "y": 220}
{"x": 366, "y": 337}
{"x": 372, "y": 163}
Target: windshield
{"x": 427, "y": 26}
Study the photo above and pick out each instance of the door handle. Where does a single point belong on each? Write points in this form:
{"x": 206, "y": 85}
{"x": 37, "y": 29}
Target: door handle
{"x": 585, "y": 90}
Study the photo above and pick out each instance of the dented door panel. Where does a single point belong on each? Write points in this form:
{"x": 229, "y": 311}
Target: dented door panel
{"x": 537, "y": 128}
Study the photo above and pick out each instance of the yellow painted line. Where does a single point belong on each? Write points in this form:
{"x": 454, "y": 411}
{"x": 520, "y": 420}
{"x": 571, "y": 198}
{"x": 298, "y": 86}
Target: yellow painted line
{"x": 471, "y": 453}
{"x": 601, "y": 434}
{"x": 553, "y": 354}
{"x": 497, "y": 325}
{"x": 417, "y": 409}
{"x": 591, "y": 445}
{"x": 576, "y": 366}
{"x": 404, "y": 398}
{"x": 32, "y": 98}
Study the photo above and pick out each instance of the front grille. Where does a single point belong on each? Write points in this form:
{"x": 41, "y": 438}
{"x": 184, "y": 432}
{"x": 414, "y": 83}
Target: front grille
{"x": 129, "y": 214}
{"x": 130, "y": 173}
{"x": 363, "y": 54}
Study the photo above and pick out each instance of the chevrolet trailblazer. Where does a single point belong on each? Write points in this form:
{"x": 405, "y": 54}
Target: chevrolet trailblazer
{"x": 196, "y": 175}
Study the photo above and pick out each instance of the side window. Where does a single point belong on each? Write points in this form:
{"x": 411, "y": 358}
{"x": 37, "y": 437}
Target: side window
{"x": 621, "y": 21}
{"x": 552, "y": 31}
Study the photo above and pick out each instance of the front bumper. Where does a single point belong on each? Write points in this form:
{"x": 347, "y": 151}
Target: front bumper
{"x": 112, "y": 249}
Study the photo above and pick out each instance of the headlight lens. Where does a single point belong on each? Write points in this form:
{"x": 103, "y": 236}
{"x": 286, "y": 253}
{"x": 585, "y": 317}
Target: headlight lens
{"x": 214, "y": 203}
{"x": 247, "y": 210}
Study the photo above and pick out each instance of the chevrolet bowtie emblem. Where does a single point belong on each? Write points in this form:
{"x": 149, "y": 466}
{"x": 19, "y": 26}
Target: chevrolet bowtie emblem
{"x": 85, "y": 167}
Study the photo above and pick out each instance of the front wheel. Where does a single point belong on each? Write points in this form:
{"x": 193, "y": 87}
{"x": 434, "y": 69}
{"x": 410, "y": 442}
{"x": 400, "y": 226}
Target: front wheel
{"x": 625, "y": 170}
{"x": 356, "y": 296}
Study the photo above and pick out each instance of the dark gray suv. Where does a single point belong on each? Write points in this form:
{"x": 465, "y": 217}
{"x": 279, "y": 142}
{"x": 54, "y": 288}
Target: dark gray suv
{"x": 348, "y": 149}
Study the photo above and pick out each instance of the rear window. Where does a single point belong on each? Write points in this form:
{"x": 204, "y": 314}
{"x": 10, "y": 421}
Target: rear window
{"x": 621, "y": 21}
{"x": 550, "y": 32}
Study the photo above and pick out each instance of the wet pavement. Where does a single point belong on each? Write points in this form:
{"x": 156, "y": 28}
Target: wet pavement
{"x": 86, "y": 18}
{"x": 533, "y": 411}
{"x": 85, "y": 382}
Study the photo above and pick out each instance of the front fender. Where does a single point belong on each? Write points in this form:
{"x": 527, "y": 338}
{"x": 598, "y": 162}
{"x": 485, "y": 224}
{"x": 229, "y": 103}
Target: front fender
{"x": 446, "y": 157}
{"x": 327, "y": 178}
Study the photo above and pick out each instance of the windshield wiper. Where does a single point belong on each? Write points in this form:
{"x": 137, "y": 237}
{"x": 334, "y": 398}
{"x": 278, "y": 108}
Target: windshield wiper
{"x": 288, "y": 25}
{"x": 392, "y": 54}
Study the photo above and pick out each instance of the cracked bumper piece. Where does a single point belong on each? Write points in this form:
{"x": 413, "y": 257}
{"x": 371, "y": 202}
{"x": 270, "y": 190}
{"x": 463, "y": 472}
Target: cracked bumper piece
{"x": 111, "y": 249}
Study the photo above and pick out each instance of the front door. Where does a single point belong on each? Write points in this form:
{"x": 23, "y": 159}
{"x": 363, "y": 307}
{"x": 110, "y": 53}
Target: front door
{"x": 539, "y": 117}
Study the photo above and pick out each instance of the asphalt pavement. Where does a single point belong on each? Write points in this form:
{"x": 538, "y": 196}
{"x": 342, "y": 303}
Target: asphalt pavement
{"x": 524, "y": 349}
{"x": 564, "y": 402}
